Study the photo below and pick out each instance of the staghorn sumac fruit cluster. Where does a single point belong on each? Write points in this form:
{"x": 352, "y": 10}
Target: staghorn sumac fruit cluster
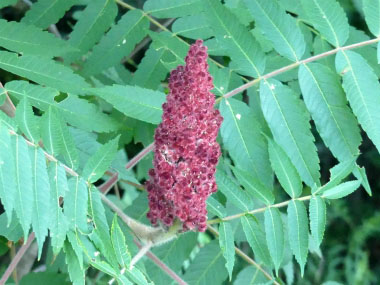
{"x": 185, "y": 149}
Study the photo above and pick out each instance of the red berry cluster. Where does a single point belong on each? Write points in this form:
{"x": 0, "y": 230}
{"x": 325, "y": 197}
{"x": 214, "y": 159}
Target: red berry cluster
{"x": 186, "y": 152}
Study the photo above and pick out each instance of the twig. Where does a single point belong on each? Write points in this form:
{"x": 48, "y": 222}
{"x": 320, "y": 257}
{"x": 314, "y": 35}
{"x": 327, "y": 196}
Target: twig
{"x": 13, "y": 254}
{"x": 12, "y": 266}
{"x": 139, "y": 156}
{"x": 256, "y": 211}
{"x": 106, "y": 186}
{"x": 163, "y": 266}
{"x": 246, "y": 257}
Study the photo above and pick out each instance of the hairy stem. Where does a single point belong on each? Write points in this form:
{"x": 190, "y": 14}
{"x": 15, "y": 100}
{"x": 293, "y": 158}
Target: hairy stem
{"x": 147, "y": 234}
{"x": 246, "y": 258}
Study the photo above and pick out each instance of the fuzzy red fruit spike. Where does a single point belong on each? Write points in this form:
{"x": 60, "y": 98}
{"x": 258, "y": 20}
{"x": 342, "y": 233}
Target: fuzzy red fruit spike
{"x": 185, "y": 152}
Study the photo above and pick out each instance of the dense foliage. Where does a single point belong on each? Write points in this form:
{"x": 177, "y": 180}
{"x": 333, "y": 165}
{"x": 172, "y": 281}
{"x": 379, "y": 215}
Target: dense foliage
{"x": 83, "y": 83}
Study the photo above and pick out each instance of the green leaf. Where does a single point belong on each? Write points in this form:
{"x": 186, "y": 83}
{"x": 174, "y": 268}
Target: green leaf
{"x": 58, "y": 223}
{"x": 100, "y": 161}
{"x": 368, "y": 52}
{"x": 175, "y": 48}
{"x": 27, "y": 122}
{"x": 226, "y": 242}
{"x": 5, "y": 3}
{"x": 136, "y": 102}
{"x": 91, "y": 25}
{"x": 8, "y": 122}
{"x": 285, "y": 170}
{"x": 77, "y": 245}
{"x": 77, "y": 274}
{"x": 172, "y": 8}
{"x": 371, "y": 9}
{"x": 250, "y": 275}
{"x": 75, "y": 206}
{"x": 328, "y": 17}
{"x": 87, "y": 116}
{"x": 298, "y": 232}
{"x": 76, "y": 111}
{"x": 137, "y": 276}
{"x": 256, "y": 239}
{"x": 342, "y": 190}
{"x": 24, "y": 185}
{"x": 279, "y": 27}
{"x": 173, "y": 254}
{"x": 119, "y": 244}
{"x": 361, "y": 174}
{"x": 337, "y": 174}
{"x": 40, "y": 97}
{"x": 46, "y": 12}
{"x": 50, "y": 132}
{"x": 242, "y": 137}
{"x": 41, "y": 193}
{"x": 253, "y": 186}
{"x": 28, "y": 39}
{"x": 363, "y": 92}
{"x": 326, "y": 101}
{"x": 193, "y": 27}
{"x": 118, "y": 42}
{"x": 207, "y": 267}
{"x": 43, "y": 71}
{"x": 36, "y": 278}
{"x": 290, "y": 126}
{"x": 245, "y": 52}
{"x": 8, "y": 191}
{"x": 150, "y": 71}
{"x": 68, "y": 149}
{"x": 233, "y": 192}
{"x": 101, "y": 234}
{"x": 11, "y": 230}
{"x": 317, "y": 213}
{"x": 274, "y": 233}
{"x": 215, "y": 207}
{"x": 104, "y": 267}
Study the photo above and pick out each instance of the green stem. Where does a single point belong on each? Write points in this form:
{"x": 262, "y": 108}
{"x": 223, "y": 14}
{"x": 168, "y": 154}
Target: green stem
{"x": 256, "y": 211}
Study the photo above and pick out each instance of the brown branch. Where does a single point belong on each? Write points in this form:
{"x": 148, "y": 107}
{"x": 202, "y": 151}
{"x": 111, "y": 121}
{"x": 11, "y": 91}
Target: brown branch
{"x": 139, "y": 156}
{"x": 106, "y": 186}
{"x": 20, "y": 253}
